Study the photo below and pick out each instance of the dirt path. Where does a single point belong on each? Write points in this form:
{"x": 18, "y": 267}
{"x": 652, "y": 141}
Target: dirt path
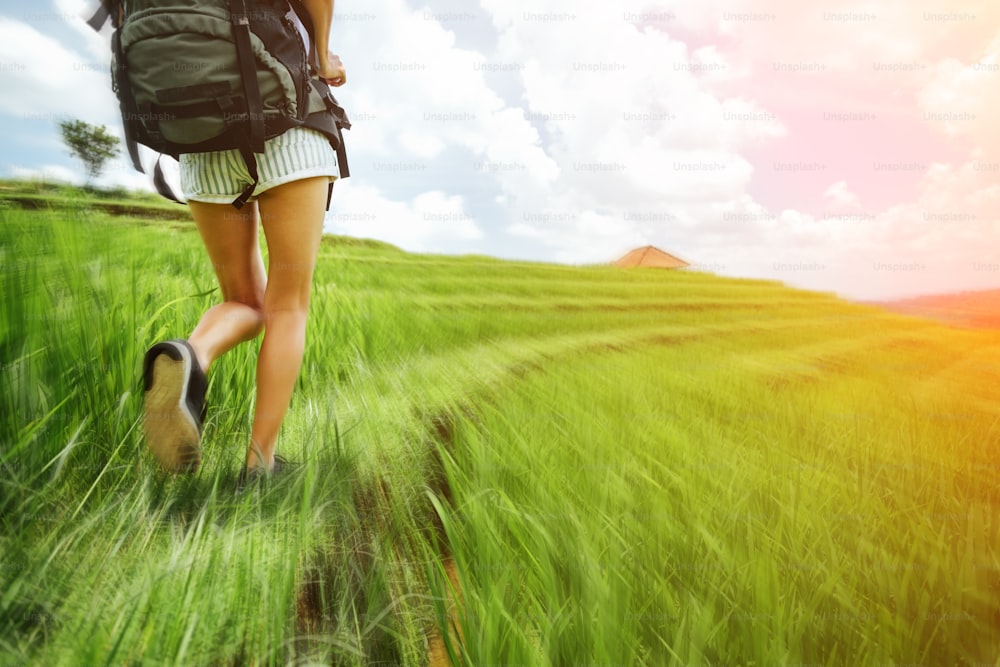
{"x": 437, "y": 653}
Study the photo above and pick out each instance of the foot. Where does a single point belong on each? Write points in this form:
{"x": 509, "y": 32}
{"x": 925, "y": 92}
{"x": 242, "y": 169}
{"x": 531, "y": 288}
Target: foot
{"x": 173, "y": 405}
{"x": 261, "y": 473}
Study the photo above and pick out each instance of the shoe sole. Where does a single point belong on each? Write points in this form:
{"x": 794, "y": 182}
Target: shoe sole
{"x": 172, "y": 432}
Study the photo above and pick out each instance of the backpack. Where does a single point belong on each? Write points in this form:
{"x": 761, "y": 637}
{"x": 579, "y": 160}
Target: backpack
{"x": 193, "y": 76}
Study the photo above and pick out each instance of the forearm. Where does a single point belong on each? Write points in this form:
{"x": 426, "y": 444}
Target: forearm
{"x": 321, "y": 14}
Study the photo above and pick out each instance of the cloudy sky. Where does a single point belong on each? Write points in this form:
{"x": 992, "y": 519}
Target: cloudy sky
{"x": 850, "y": 147}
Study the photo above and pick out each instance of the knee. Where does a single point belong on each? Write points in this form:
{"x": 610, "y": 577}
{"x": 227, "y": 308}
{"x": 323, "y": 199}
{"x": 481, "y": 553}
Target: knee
{"x": 249, "y": 292}
{"x": 252, "y": 297}
{"x": 292, "y": 314}
{"x": 288, "y": 304}
{"x": 255, "y": 305}
{"x": 286, "y": 321}
{"x": 259, "y": 314}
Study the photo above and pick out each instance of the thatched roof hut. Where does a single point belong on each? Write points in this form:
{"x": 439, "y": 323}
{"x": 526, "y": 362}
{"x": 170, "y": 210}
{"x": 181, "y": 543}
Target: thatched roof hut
{"x": 651, "y": 256}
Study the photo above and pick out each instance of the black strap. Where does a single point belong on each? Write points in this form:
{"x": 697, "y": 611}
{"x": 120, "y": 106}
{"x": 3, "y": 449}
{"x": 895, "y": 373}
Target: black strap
{"x": 127, "y": 103}
{"x": 300, "y": 10}
{"x": 251, "y": 162}
{"x": 161, "y": 183}
{"x": 102, "y": 14}
{"x": 341, "y": 122}
{"x": 342, "y": 155}
{"x": 225, "y": 105}
{"x": 248, "y": 72}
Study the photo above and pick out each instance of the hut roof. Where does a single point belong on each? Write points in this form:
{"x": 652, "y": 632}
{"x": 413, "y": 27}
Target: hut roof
{"x": 651, "y": 256}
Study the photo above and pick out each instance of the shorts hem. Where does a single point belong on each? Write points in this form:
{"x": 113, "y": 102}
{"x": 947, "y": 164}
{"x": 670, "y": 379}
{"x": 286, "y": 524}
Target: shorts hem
{"x": 263, "y": 186}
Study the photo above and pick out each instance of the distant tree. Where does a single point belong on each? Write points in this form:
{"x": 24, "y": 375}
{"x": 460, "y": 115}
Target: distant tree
{"x": 92, "y": 144}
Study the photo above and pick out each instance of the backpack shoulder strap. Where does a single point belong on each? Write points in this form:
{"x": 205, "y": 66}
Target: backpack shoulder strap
{"x": 303, "y": 14}
{"x": 126, "y": 100}
{"x": 240, "y": 18}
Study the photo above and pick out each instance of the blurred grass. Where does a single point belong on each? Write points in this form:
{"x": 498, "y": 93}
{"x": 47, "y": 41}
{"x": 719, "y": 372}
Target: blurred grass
{"x": 626, "y": 467}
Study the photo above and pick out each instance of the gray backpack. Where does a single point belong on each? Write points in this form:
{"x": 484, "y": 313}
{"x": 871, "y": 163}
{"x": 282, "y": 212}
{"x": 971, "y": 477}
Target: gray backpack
{"x": 194, "y": 76}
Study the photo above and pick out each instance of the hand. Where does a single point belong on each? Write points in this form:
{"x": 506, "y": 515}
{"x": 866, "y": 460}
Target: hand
{"x": 332, "y": 70}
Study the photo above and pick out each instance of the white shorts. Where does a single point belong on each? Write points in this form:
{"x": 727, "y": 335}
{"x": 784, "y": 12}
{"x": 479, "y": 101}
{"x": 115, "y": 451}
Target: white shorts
{"x": 220, "y": 176}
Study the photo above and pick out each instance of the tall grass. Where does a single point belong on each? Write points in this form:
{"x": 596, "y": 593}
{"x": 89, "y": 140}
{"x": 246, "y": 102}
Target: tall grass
{"x": 724, "y": 517}
{"x": 624, "y": 468}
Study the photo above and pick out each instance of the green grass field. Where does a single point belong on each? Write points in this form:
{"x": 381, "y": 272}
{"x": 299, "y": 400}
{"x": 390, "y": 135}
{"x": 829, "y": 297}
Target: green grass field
{"x": 574, "y": 466}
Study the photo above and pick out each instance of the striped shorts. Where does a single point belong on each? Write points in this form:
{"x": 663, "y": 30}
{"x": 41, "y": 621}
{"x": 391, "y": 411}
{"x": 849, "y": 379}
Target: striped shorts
{"x": 219, "y": 177}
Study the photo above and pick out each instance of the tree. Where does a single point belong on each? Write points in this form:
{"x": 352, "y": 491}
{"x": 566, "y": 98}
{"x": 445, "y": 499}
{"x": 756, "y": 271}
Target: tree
{"x": 92, "y": 144}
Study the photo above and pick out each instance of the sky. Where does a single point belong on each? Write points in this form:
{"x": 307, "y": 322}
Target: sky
{"x": 840, "y": 146}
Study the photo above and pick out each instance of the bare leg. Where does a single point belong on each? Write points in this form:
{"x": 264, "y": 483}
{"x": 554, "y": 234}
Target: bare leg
{"x": 230, "y": 238}
{"x": 292, "y": 218}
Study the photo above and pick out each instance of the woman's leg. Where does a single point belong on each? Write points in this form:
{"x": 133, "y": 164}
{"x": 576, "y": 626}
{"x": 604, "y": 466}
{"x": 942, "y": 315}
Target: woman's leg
{"x": 292, "y": 217}
{"x": 174, "y": 393}
{"x": 230, "y": 238}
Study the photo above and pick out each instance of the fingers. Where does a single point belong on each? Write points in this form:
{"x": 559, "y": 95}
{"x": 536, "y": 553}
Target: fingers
{"x": 333, "y": 72}
{"x": 335, "y": 81}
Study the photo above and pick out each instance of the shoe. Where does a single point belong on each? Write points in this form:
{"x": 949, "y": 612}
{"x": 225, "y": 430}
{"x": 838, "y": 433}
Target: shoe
{"x": 174, "y": 404}
{"x": 261, "y": 474}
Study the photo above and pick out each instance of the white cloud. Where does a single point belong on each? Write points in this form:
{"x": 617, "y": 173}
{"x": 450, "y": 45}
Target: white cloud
{"x": 839, "y": 198}
{"x": 421, "y": 145}
{"x": 430, "y": 222}
{"x": 420, "y": 93}
{"x": 961, "y": 98}
{"x": 51, "y": 80}
{"x": 75, "y": 14}
{"x": 633, "y": 122}
{"x": 417, "y": 98}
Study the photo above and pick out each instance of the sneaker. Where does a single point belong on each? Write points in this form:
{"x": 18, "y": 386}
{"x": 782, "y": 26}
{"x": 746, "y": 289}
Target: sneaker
{"x": 261, "y": 474}
{"x": 174, "y": 404}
